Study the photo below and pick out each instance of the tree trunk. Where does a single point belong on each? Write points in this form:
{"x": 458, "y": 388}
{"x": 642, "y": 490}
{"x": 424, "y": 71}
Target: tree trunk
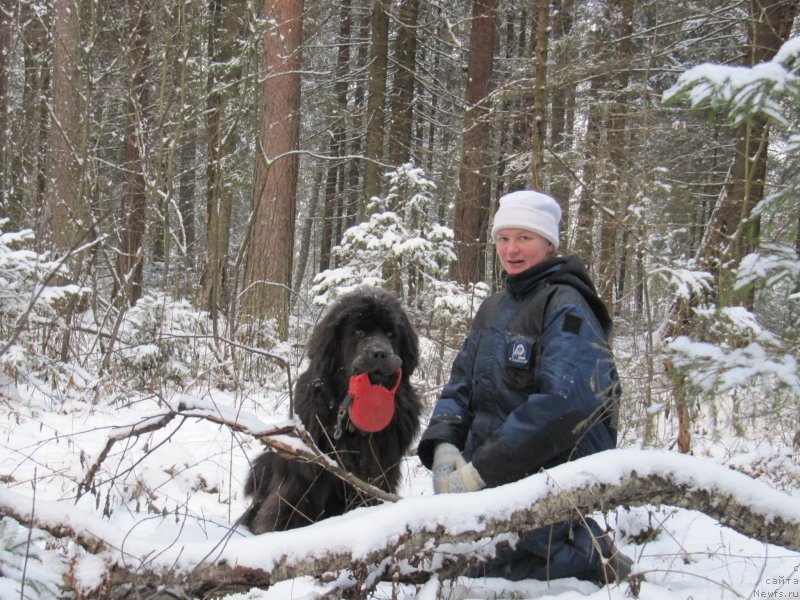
{"x": 731, "y": 233}
{"x": 734, "y": 232}
{"x": 472, "y": 203}
{"x": 583, "y": 242}
{"x": 614, "y": 191}
{"x": 270, "y": 248}
{"x": 402, "y": 94}
{"x": 186, "y": 195}
{"x": 6, "y": 15}
{"x": 726, "y": 238}
{"x": 561, "y": 92}
{"x": 30, "y": 133}
{"x": 376, "y": 101}
{"x": 306, "y": 246}
{"x": 334, "y": 180}
{"x": 65, "y": 220}
{"x": 130, "y": 261}
{"x": 511, "y": 43}
{"x": 329, "y": 204}
{"x": 187, "y": 139}
{"x": 224, "y": 49}
{"x": 539, "y": 128}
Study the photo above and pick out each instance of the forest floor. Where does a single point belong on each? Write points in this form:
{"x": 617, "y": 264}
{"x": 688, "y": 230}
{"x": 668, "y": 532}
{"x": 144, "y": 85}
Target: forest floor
{"x": 182, "y": 484}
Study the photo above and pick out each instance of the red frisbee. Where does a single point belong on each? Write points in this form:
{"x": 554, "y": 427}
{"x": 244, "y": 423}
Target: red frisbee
{"x": 372, "y": 408}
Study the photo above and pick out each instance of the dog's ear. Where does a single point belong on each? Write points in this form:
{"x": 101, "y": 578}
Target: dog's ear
{"x": 408, "y": 343}
{"x": 324, "y": 345}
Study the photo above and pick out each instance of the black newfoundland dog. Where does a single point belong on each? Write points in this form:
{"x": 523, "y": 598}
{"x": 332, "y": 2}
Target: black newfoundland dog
{"x": 357, "y": 402}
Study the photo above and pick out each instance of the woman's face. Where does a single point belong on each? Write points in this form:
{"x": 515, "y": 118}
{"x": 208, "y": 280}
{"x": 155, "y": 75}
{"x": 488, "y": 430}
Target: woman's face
{"x": 519, "y": 249}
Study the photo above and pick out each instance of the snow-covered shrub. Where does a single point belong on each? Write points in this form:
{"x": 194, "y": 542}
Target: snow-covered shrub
{"x": 405, "y": 249}
{"x": 744, "y": 93}
{"x": 750, "y": 348}
{"x": 30, "y": 299}
{"x": 683, "y": 279}
{"x": 447, "y": 323}
{"x": 402, "y": 246}
{"x": 163, "y": 338}
{"x": 738, "y": 347}
{"x": 28, "y": 564}
{"x": 455, "y": 305}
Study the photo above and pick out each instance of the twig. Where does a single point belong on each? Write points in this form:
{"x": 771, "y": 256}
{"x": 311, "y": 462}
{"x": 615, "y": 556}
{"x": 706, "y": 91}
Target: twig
{"x": 147, "y": 426}
{"x": 308, "y": 451}
{"x": 29, "y": 540}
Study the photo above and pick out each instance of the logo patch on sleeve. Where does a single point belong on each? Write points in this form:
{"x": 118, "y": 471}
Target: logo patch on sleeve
{"x": 572, "y": 324}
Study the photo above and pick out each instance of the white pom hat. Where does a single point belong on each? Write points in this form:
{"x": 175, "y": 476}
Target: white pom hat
{"x": 529, "y": 210}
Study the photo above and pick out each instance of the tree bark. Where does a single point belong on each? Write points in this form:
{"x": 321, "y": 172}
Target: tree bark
{"x": 186, "y": 155}
{"x": 539, "y": 129}
{"x": 270, "y": 248}
{"x": 29, "y": 159}
{"x": 130, "y": 261}
{"x": 224, "y": 45}
{"x": 613, "y": 194}
{"x": 305, "y": 247}
{"x": 6, "y": 14}
{"x": 402, "y": 94}
{"x": 186, "y": 196}
{"x": 335, "y": 171}
{"x": 472, "y": 203}
{"x": 65, "y": 220}
{"x": 376, "y": 101}
{"x": 562, "y": 95}
{"x": 583, "y": 242}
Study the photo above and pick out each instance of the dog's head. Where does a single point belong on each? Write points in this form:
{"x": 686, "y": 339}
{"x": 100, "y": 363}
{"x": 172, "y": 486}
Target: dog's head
{"x": 365, "y": 331}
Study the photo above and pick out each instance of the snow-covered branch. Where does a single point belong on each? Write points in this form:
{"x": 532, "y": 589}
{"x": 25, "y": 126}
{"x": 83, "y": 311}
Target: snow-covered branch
{"x": 289, "y": 438}
{"x": 433, "y": 533}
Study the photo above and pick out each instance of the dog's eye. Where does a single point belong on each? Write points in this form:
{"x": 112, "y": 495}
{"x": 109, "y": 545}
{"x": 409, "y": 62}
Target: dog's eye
{"x": 359, "y": 333}
{"x": 390, "y": 333}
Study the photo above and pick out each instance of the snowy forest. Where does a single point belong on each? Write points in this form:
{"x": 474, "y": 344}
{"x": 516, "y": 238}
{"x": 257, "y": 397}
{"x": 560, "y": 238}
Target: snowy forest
{"x": 186, "y": 186}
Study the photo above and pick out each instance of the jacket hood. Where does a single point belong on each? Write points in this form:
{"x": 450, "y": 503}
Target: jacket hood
{"x": 565, "y": 270}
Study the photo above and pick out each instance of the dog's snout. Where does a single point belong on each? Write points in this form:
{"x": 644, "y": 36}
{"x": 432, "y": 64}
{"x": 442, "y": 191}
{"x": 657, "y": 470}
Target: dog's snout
{"x": 376, "y": 356}
{"x": 378, "y": 347}
{"x": 380, "y": 353}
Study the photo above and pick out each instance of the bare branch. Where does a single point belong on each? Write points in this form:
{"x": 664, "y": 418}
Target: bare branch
{"x": 274, "y": 438}
{"x": 282, "y": 438}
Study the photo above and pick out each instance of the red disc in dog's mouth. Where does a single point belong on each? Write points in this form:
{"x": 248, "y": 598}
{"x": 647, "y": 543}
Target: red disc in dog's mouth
{"x": 372, "y": 407}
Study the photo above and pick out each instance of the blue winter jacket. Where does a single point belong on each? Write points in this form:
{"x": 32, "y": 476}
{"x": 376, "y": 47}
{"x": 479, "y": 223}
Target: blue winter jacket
{"x": 535, "y": 384}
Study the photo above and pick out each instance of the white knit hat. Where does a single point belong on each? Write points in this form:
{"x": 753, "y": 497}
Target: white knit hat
{"x": 529, "y": 210}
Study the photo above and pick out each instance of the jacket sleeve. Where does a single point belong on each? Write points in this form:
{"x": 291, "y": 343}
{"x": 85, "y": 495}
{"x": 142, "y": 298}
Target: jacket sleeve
{"x": 451, "y": 416}
{"x": 547, "y": 429}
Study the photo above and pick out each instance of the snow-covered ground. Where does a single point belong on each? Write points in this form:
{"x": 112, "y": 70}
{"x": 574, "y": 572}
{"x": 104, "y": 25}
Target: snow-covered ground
{"x": 172, "y": 494}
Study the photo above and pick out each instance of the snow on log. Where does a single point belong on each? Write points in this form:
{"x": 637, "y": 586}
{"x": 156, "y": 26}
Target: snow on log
{"x": 417, "y": 529}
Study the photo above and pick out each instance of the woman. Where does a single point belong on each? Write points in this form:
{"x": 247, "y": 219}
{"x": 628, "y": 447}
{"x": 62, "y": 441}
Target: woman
{"x": 533, "y": 386}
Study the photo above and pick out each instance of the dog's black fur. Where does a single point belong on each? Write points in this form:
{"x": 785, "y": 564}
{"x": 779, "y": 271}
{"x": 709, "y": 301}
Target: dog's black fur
{"x": 364, "y": 331}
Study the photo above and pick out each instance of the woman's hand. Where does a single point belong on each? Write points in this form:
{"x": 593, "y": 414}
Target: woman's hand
{"x": 446, "y": 460}
{"x": 463, "y": 479}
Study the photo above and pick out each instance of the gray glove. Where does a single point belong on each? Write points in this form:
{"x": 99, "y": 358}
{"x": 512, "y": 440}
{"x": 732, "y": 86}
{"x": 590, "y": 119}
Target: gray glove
{"x": 463, "y": 479}
{"x": 446, "y": 459}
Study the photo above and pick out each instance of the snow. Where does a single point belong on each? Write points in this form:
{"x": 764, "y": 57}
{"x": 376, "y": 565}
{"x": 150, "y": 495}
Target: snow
{"x": 712, "y": 365}
{"x": 170, "y": 495}
{"x": 686, "y": 282}
{"x": 192, "y": 477}
{"x": 746, "y": 90}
